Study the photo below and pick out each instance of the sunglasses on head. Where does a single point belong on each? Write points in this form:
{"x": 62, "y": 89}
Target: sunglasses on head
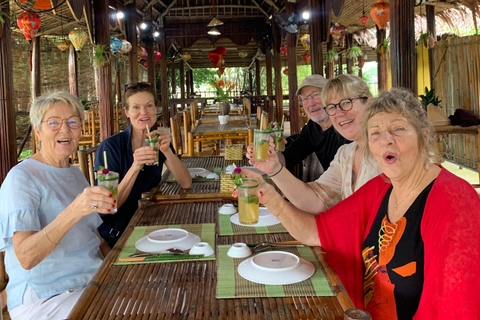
{"x": 137, "y": 86}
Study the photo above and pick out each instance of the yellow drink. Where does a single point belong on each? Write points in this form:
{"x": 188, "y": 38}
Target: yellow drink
{"x": 260, "y": 150}
{"x": 248, "y": 209}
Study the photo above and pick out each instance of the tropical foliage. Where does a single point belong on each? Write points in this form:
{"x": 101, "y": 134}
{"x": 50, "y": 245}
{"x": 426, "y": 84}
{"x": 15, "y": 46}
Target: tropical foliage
{"x": 224, "y": 89}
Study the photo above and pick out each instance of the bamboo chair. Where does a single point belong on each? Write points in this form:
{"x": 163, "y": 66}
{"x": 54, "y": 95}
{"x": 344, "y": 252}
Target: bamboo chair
{"x": 175, "y": 126}
{"x": 89, "y": 130}
{"x": 187, "y": 125}
{"x": 247, "y": 109}
{"x": 86, "y": 158}
{"x": 194, "y": 113}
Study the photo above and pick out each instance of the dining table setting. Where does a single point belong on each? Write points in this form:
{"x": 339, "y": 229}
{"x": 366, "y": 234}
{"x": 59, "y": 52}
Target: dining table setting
{"x": 203, "y": 257}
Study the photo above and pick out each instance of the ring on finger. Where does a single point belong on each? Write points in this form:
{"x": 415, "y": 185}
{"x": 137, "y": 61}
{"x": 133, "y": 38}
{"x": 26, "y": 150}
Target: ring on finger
{"x": 95, "y": 205}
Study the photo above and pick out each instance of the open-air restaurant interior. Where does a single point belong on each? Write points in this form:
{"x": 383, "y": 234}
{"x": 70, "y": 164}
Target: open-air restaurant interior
{"x": 239, "y": 159}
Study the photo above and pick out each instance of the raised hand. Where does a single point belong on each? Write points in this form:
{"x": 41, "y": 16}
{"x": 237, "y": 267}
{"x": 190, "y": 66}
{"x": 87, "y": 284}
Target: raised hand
{"x": 272, "y": 164}
{"x": 266, "y": 191}
{"x": 93, "y": 199}
{"x": 142, "y": 156}
{"x": 164, "y": 139}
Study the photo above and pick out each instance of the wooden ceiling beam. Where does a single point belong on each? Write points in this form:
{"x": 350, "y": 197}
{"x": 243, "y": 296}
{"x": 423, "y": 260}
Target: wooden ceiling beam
{"x": 66, "y": 26}
{"x": 260, "y": 8}
{"x": 168, "y": 8}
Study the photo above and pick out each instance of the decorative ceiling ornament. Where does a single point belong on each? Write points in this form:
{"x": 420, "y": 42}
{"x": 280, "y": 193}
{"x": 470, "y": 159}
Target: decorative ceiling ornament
{"x": 364, "y": 19}
{"x": 78, "y": 37}
{"x": 380, "y": 12}
{"x": 29, "y": 23}
{"x": 126, "y": 47}
{"x": 63, "y": 45}
{"x": 39, "y": 6}
{"x": 214, "y": 32}
{"x": 242, "y": 54}
{"x": 285, "y": 71}
{"x": 142, "y": 53}
{"x": 305, "y": 40}
{"x": 214, "y": 22}
{"x": 338, "y": 33}
{"x": 158, "y": 56}
{"x": 307, "y": 57}
{"x": 216, "y": 55}
{"x": 283, "y": 50}
{"x": 186, "y": 56}
{"x": 115, "y": 44}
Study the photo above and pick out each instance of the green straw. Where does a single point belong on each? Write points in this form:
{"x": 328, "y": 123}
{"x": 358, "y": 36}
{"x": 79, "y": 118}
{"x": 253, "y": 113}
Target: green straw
{"x": 148, "y": 131}
{"x": 283, "y": 118}
{"x": 105, "y": 158}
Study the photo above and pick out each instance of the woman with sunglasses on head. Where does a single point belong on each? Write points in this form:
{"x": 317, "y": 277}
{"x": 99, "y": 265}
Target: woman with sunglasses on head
{"x": 52, "y": 247}
{"x": 344, "y": 98}
{"x": 128, "y": 155}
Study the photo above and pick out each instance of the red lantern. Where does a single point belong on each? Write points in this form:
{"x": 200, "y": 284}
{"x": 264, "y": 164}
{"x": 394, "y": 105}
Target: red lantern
{"x": 307, "y": 57}
{"x": 29, "y": 23}
{"x": 214, "y": 58}
{"x": 380, "y": 13}
{"x": 285, "y": 71}
{"x": 283, "y": 50}
{"x": 364, "y": 20}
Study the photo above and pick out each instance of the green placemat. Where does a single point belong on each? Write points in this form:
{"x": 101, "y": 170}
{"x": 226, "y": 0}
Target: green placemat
{"x": 205, "y": 231}
{"x": 227, "y": 228}
{"x": 217, "y": 170}
{"x": 232, "y": 285}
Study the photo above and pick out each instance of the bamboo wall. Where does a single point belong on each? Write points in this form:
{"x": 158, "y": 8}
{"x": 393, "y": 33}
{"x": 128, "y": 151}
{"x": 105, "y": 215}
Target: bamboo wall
{"x": 457, "y": 84}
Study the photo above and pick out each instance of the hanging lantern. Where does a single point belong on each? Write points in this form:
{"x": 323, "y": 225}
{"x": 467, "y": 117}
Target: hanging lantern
{"x": 115, "y": 44}
{"x": 126, "y": 47}
{"x": 142, "y": 53}
{"x": 364, "y": 20}
{"x": 63, "y": 45}
{"x": 186, "y": 56}
{"x": 305, "y": 40}
{"x": 285, "y": 71}
{"x": 380, "y": 12}
{"x": 159, "y": 55}
{"x": 283, "y": 50}
{"x": 29, "y": 23}
{"x": 307, "y": 57}
{"x": 338, "y": 34}
{"x": 271, "y": 52}
{"x": 78, "y": 37}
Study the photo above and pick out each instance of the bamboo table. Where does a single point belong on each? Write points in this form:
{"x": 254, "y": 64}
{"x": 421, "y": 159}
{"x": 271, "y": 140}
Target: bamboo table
{"x": 239, "y": 118}
{"x": 187, "y": 289}
{"x": 213, "y": 110}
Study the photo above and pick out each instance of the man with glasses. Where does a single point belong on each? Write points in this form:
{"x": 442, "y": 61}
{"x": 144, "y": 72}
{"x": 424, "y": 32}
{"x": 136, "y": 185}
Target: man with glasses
{"x": 317, "y": 136}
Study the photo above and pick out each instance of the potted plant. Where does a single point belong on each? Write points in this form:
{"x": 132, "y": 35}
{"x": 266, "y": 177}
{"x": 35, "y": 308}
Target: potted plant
{"x": 101, "y": 55}
{"x": 353, "y": 53}
{"x": 429, "y": 97}
{"x": 331, "y": 56}
{"x": 223, "y": 92}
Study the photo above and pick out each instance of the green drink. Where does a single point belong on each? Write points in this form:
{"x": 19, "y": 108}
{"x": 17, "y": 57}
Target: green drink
{"x": 110, "y": 181}
{"x": 278, "y": 139}
{"x": 261, "y": 139}
{"x": 248, "y": 202}
{"x": 152, "y": 143}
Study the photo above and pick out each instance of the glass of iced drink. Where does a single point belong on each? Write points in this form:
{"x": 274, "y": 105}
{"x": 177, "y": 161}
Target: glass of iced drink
{"x": 110, "y": 181}
{"x": 277, "y": 135}
{"x": 248, "y": 201}
{"x": 153, "y": 143}
{"x": 260, "y": 144}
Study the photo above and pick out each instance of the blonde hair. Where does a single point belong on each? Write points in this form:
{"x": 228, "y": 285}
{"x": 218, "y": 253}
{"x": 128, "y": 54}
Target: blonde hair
{"x": 346, "y": 84}
{"x": 42, "y": 104}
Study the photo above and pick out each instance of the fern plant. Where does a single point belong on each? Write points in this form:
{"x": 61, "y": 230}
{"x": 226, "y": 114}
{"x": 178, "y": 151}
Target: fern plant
{"x": 353, "y": 53}
{"x": 331, "y": 56}
{"x": 102, "y": 55}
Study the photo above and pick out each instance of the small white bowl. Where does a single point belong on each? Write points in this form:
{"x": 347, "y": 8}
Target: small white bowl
{"x": 202, "y": 248}
{"x": 239, "y": 250}
{"x": 227, "y": 208}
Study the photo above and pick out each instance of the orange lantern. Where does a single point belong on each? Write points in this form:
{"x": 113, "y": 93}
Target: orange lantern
{"x": 285, "y": 71}
{"x": 364, "y": 20}
{"x": 63, "y": 45}
{"x": 380, "y": 12}
{"x": 307, "y": 57}
{"x": 29, "y": 23}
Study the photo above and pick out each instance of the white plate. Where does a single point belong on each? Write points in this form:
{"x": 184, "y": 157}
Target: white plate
{"x": 276, "y": 268}
{"x": 265, "y": 219}
{"x": 161, "y": 240}
{"x": 198, "y": 172}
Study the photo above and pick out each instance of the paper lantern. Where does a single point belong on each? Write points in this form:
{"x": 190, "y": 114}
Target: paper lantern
{"x": 142, "y": 53}
{"x": 283, "y": 50}
{"x": 29, "y": 23}
{"x": 338, "y": 34}
{"x": 115, "y": 44}
{"x": 63, "y": 45}
{"x": 78, "y": 37}
{"x": 126, "y": 47}
{"x": 285, "y": 71}
{"x": 159, "y": 55}
{"x": 242, "y": 54}
{"x": 305, "y": 40}
{"x": 186, "y": 56}
{"x": 380, "y": 12}
{"x": 221, "y": 50}
{"x": 364, "y": 20}
{"x": 307, "y": 57}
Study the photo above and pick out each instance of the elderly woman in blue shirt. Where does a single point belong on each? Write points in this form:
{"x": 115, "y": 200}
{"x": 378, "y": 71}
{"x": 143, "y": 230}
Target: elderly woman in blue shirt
{"x": 48, "y": 217}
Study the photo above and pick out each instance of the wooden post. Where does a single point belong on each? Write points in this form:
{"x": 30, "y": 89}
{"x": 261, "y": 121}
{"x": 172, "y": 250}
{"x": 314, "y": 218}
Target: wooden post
{"x": 268, "y": 71}
{"x": 8, "y": 142}
{"x": 187, "y": 82}
{"x": 433, "y": 31}
{"x": 403, "y": 62}
{"x": 292, "y": 78}
{"x": 150, "y": 63}
{"x": 330, "y": 66}
{"x": 382, "y": 62}
{"x": 174, "y": 79}
{"x": 102, "y": 37}
{"x": 162, "y": 47}
{"x": 182, "y": 80}
{"x": 349, "y": 40}
{"x": 191, "y": 80}
{"x": 277, "y": 67}
{"x": 340, "y": 64}
{"x": 257, "y": 77}
{"x": 36, "y": 84}
{"x": 131, "y": 33}
{"x": 319, "y": 31}
{"x": 250, "y": 80}
{"x": 72, "y": 70}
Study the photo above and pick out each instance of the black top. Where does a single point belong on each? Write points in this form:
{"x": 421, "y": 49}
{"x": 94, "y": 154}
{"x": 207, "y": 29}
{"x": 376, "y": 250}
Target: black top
{"x": 313, "y": 139}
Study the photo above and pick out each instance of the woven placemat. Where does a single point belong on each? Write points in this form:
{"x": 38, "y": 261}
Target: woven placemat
{"x": 205, "y": 231}
{"x": 227, "y": 228}
{"x": 231, "y": 285}
{"x": 217, "y": 170}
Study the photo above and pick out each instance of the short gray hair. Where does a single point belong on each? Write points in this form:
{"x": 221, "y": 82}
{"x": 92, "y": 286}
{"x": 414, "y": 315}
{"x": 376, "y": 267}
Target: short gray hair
{"x": 405, "y": 103}
{"x": 43, "y": 103}
{"x": 345, "y": 84}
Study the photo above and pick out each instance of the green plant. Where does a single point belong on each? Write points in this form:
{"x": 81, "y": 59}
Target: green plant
{"x": 426, "y": 39}
{"x": 331, "y": 56}
{"x": 223, "y": 89}
{"x": 353, "y": 53}
{"x": 101, "y": 55}
{"x": 4, "y": 14}
{"x": 384, "y": 46}
{"x": 429, "y": 97}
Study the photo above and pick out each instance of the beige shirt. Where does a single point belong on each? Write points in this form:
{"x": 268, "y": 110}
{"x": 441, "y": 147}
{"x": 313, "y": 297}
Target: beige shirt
{"x": 335, "y": 184}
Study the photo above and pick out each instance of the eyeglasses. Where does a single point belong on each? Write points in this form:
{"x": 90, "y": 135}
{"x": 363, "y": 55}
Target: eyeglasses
{"x": 137, "y": 86}
{"x": 344, "y": 105}
{"x": 317, "y": 95}
{"x": 55, "y": 123}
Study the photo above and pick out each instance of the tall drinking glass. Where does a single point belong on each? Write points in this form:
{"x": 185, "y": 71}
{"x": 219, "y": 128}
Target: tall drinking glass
{"x": 152, "y": 143}
{"x": 248, "y": 202}
{"x": 260, "y": 144}
{"x": 110, "y": 181}
{"x": 278, "y": 139}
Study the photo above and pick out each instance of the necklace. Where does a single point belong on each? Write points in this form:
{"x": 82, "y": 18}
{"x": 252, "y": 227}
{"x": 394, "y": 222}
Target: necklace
{"x": 415, "y": 186}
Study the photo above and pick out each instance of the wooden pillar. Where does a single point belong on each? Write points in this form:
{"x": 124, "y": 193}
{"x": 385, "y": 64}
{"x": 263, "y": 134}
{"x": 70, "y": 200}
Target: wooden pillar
{"x": 162, "y": 47}
{"x": 36, "y": 84}
{"x": 257, "y": 77}
{"x": 349, "y": 41}
{"x": 403, "y": 62}
{"x": 292, "y": 77}
{"x": 382, "y": 62}
{"x": 250, "y": 80}
{"x": 433, "y": 31}
{"x": 8, "y": 143}
{"x": 191, "y": 80}
{"x": 277, "y": 67}
{"x": 102, "y": 37}
{"x": 118, "y": 84}
{"x": 329, "y": 69}
{"x": 150, "y": 63}
{"x": 319, "y": 31}
{"x": 360, "y": 66}
{"x": 340, "y": 64}
{"x": 174, "y": 79}
{"x": 131, "y": 33}
{"x": 72, "y": 70}
{"x": 268, "y": 71}
{"x": 182, "y": 80}
{"x": 187, "y": 82}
